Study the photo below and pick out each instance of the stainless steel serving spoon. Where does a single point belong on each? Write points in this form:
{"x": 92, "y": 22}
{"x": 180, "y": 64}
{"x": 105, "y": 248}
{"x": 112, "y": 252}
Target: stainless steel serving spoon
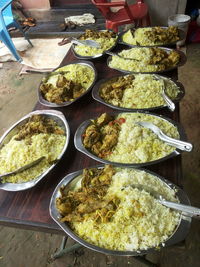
{"x": 25, "y": 167}
{"x": 168, "y": 101}
{"x": 90, "y": 43}
{"x": 115, "y": 54}
{"x": 187, "y": 210}
{"x": 185, "y": 146}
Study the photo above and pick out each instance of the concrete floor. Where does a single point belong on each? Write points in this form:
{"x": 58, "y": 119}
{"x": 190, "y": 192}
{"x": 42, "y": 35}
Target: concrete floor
{"x": 20, "y": 248}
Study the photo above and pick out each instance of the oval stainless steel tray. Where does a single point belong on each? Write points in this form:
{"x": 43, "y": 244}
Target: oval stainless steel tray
{"x": 70, "y": 181}
{"x": 55, "y": 115}
{"x": 44, "y": 102}
{"x": 95, "y": 56}
{"x": 81, "y": 129}
{"x": 182, "y": 61}
{"x": 120, "y": 39}
{"x": 97, "y": 97}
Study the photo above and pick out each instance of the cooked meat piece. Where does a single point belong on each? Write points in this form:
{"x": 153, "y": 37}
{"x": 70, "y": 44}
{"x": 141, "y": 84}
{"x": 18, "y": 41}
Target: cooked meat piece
{"x": 61, "y": 81}
{"x": 78, "y": 90}
{"x": 38, "y": 124}
{"x": 174, "y": 57}
{"x": 64, "y": 208}
{"x": 96, "y": 148}
{"x": 92, "y": 34}
{"x": 90, "y": 206}
{"x": 109, "y": 141}
{"x": 64, "y": 90}
{"x": 117, "y": 93}
{"x": 103, "y": 119}
{"x": 75, "y": 205}
{"x": 91, "y": 136}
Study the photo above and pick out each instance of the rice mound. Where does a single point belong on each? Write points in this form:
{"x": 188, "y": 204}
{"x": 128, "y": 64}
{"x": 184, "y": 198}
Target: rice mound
{"x": 140, "y": 222}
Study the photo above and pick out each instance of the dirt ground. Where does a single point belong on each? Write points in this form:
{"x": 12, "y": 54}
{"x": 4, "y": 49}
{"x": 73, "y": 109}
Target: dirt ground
{"x": 22, "y": 248}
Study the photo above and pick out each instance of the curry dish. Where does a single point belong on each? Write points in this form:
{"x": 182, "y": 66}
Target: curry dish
{"x": 38, "y": 124}
{"x": 67, "y": 83}
{"x": 86, "y": 201}
{"x": 120, "y": 139}
{"x": 106, "y": 40}
{"x": 145, "y": 59}
{"x": 138, "y": 91}
{"x": 103, "y": 208}
{"x": 102, "y": 135}
{"x": 39, "y": 137}
{"x": 150, "y": 36}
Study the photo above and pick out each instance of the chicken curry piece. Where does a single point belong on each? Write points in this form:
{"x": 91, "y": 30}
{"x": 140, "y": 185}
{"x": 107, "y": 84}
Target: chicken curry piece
{"x": 92, "y": 34}
{"x": 162, "y": 35}
{"x": 161, "y": 57}
{"x": 114, "y": 89}
{"x": 38, "y": 124}
{"x": 102, "y": 135}
{"x": 65, "y": 90}
{"x": 90, "y": 199}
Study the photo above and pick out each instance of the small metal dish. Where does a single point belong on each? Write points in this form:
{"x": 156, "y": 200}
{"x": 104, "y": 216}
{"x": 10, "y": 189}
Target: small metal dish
{"x": 71, "y": 180}
{"x": 182, "y": 61}
{"x": 81, "y": 129}
{"x": 95, "y": 56}
{"x": 44, "y": 102}
{"x": 97, "y": 97}
{"x": 120, "y": 39}
{"x": 55, "y": 115}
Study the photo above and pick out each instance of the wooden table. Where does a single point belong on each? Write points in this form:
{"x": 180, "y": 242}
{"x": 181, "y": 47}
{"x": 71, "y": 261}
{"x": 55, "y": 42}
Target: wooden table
{"x": 30, "y": 209}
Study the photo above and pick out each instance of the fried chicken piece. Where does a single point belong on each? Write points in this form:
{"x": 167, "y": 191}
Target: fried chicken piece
{"x": 103, "y": 119}
{"x": 91, "y": 136}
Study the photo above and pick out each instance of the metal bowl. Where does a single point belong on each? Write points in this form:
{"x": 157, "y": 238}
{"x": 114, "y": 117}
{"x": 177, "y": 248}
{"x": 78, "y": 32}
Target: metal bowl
{"x": 55, "y": 115}
{"x": 93, "y": 57}
{"x": 96, "y": 95}
{"x": 182, "y": 61}
{"x": 70, "y": 181}
{"x": 120, "y": 39}
{"x": 81, "y": 129}
{"x": 44, "y": 102}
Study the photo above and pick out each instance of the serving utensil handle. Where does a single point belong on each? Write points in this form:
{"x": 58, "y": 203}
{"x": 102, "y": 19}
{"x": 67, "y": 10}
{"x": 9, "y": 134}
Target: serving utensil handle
{"x": 182, "y": 145}
{"x": 187, "y": 210}
{"x": 169, "y": 102}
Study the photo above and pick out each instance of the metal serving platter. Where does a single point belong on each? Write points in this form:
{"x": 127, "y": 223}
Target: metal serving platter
{"x": 70, "y": 181}
{"x": 44, "y": 102}
{"x": 93, "y": 57}
{"x": 81, "y": 129}
{"x": 97, "y": 97}
{"x": 120, "y": 39}
{"x": 182, "y": 61}
{"x": 55, "y": 115}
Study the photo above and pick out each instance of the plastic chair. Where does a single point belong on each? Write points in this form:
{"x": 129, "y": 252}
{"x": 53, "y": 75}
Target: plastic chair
{"x": 137, "y": 13}
{"x": 7, "y": 21}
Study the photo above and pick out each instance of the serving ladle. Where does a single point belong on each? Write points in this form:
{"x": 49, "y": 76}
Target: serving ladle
{"x": 115, "y": 54}
{"x": 168, "y": 101}
{"x": 90, "y": 43}
{"x": 25, "y": 167}
{"x": 187, "y": 210}
{"x": 182, "y": 145}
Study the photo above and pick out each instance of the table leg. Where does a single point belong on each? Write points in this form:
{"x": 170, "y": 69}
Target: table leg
{"x": 143, "y": 260}
{"x": 62, "y": 250}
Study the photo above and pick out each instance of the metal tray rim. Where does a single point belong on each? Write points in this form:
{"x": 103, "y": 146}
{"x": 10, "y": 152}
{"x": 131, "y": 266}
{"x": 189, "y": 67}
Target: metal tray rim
{"x": 179, "y": 234}
{"x": 29, "y": 184}
{"x": 44, "y": 102}
{"x": 181, "y": 62}
{"x": 79, "y": 145}
{"x": 97, "y": 97}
